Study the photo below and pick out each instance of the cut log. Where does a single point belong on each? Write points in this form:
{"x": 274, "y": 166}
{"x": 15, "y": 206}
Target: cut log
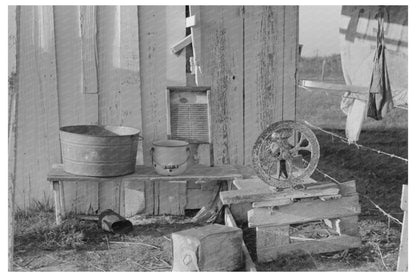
{"x": 209, "y": 248}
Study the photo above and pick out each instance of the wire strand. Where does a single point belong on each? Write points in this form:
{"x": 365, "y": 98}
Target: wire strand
{"x": 366, "y": 197}
{"x": 359, "y": 146}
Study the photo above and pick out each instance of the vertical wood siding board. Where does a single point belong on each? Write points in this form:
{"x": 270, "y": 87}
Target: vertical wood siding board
{"x": 22, "y": 122}
{"x": 50, "y": 91}
{"x": 108, "y": 60}
{"x": 88, "y": 29}
{"x": 39, "y": 144}
{"x": 75, "y": 107}
{"x": 222, "y": 69}
{"x": 157, "y": 63}
{"x": 130, "y": 71}
{"x": 263, "y": 70}
{"x": 290, "y": 61}
{"x": 175, "y": 69}
{"x": 69, "y": 64}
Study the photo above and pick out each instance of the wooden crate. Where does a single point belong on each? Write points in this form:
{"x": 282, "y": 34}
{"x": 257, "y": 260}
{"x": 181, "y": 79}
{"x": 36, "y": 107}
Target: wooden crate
{"x": 273, "y": 213}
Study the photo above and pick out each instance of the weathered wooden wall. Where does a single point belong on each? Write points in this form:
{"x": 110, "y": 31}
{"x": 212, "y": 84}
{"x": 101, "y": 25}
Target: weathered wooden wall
{"x": 112, "y": 64}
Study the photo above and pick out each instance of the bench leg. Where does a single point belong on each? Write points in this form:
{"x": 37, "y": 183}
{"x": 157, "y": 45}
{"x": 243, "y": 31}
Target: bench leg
{"x": 58, "y": 191}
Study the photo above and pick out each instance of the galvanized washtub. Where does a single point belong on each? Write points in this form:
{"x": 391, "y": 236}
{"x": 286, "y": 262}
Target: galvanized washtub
{"x": 94, "y": 150}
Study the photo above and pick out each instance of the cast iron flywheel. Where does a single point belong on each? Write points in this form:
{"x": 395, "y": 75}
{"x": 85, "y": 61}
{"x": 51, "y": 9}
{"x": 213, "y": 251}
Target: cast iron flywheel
{"x": 285, "y": 153}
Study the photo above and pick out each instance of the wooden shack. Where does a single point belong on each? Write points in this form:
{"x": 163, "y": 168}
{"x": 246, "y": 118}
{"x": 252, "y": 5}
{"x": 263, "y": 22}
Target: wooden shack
{"x": 112, "y": 64}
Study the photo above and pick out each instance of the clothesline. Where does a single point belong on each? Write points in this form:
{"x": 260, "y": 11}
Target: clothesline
{"x": 377, "y": 206}
{"x": 359, "y": 146}
{"x": 343, "y": 96}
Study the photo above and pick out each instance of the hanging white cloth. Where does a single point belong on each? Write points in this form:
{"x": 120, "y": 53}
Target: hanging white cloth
{"x": 358, "y": 43}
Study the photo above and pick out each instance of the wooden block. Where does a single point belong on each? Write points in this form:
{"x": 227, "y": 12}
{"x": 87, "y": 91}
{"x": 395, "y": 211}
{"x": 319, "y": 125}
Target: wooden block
{"x": 272, "y": 236}
{"x": 331, "y": 244}
{"x": 258, "y": 195}
{"x": 210, "y": 248}
{"x": 134, "y": 198}
{"x": 304, "y": 211}
{"x": 229, "y": 221}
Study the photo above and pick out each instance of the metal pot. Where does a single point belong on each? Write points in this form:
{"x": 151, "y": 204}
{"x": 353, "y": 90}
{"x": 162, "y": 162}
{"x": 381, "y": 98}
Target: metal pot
{"x": 170, "y": 157}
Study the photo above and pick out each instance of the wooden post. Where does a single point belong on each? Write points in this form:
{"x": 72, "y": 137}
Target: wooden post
{"x": 402, "y": 263}
{"x": 14, "y": 14}
{"x": 323, "y": 70}
{"x": 58, "y": 205}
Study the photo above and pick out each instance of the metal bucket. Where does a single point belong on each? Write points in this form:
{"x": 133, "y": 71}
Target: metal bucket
{"x": 170, "y": 157}
{"x": 101, "y": 151}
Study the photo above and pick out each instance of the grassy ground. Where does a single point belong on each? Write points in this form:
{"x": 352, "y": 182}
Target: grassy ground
{"x": 82, "y": 246}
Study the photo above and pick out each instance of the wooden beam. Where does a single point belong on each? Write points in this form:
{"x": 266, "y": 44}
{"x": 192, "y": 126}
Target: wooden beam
{"x": 304, "y": 211}
{"x": 229, "y": 221}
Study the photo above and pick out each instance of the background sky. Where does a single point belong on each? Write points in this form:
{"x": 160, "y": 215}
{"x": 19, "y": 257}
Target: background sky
{"x": 319, "y": 30}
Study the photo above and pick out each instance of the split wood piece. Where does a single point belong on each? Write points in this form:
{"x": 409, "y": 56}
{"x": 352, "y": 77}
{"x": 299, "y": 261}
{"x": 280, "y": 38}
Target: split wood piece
{"x": 265, "y": 194}
{"x": 331, "y": 244}
{"x": 229, "y": 221}
{"x": 210, "y": 248}
{"x": 402, "y": 263}
{"x": 304, "y": 212}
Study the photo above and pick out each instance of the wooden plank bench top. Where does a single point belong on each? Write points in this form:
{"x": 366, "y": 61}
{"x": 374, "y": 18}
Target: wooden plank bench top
{"x": 195, "y": 173}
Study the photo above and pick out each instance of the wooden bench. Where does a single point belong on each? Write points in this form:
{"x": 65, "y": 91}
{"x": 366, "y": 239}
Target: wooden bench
{"x": 126, "y": 188}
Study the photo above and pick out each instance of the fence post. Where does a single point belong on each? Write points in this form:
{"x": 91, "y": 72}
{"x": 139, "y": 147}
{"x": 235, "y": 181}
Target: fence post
{"x": 402, "y": 263}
